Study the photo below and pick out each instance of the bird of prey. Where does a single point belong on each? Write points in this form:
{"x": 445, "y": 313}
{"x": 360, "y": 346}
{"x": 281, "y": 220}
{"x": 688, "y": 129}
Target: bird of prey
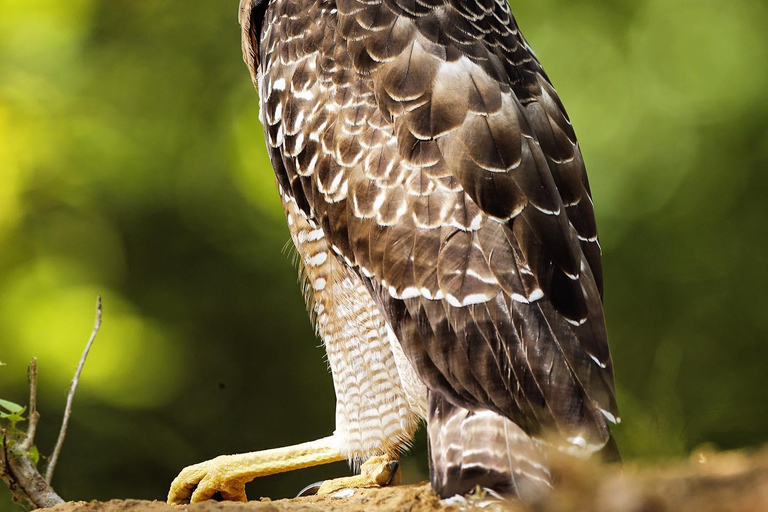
{"x": 438, "y": 200}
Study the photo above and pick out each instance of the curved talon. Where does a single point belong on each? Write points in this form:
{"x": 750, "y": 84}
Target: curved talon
{"x": 381, "y": 470}
{"x": 311, "y": 489}
{"x": 393, "y": 468}
{"x": 376, "y": 471}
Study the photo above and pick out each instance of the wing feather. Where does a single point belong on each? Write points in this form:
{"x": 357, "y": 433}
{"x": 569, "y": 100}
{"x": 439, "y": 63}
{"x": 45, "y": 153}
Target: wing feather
{"x": 427, "y": 142}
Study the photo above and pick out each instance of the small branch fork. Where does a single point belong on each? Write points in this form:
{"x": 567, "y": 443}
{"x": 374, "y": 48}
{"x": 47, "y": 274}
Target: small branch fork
{"x": 16, "y": 468}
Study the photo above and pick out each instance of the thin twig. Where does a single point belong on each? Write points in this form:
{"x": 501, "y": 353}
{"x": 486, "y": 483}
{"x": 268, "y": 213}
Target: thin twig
{"x": 71, "y": 396}
{"x": 34, "y": 416}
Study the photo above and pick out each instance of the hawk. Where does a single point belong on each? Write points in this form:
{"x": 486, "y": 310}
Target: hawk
{"x": 438, "y": 200}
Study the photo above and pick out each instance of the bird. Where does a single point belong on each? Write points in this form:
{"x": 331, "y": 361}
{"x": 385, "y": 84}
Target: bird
{"x": 438, "y": 201}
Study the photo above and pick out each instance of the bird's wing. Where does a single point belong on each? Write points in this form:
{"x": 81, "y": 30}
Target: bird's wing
{"x": 432, "y": 150}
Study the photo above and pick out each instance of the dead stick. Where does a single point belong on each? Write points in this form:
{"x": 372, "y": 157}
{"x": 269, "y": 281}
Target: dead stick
{"x": 71, "y": 395}
{"x": 34, "y": 416}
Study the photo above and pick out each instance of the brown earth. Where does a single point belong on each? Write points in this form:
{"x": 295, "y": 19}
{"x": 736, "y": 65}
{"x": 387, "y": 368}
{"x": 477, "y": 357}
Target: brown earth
{"x": 708, "y": 482}
{"x": 402, "y": 498}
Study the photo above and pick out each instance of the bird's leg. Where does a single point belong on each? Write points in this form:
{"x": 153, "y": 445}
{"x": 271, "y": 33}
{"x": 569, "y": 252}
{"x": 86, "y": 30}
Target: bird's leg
{"x": 228, "y": 474}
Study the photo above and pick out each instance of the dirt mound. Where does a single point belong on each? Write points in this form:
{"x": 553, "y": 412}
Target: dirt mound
{"x": 403, "y": 498}
{"x": 708, "y": 482}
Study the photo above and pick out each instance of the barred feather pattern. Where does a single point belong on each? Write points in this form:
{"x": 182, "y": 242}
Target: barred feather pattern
{"x": 462, "y": 457}
{"x": 379, "y": 398}
{"x": 423, "y": 139}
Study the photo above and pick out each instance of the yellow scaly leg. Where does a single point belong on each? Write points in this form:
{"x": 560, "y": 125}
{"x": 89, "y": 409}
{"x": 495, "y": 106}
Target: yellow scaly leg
{"x": 228, "y": 474}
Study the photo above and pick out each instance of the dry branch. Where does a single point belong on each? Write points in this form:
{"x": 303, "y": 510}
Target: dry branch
{"x": 16, "y": 466}
{"x": 71, "y": 395}
{"x": 34, "y": 416}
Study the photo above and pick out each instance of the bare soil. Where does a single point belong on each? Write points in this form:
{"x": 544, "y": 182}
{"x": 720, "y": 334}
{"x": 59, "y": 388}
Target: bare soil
{"x": 401, "y": 498}
{"x": 708, "y": 482}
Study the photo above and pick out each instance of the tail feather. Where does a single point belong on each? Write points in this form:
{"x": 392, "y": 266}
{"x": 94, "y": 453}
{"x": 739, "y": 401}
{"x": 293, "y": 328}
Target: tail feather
{"x": 482, "y": 448}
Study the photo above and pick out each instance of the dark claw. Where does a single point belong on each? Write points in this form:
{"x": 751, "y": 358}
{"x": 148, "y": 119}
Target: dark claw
{"x": 310, "y": 490}
{"x": 393, "y": 467}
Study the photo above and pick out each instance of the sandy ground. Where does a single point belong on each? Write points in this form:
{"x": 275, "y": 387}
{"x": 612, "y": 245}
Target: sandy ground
{"x": 708, "y": 482}
{"x": 403, "y": 498}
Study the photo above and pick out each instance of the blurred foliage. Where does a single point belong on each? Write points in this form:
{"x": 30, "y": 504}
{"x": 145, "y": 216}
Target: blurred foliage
{"x": 132, "y": 164}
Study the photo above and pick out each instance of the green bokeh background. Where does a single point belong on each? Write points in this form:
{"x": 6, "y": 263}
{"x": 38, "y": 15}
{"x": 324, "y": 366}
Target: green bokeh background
{"x": 132, "y": 165}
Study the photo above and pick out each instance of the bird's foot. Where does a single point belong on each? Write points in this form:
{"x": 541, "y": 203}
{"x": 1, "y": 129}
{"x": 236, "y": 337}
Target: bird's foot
{"x": 202, "y": 481}
{"x": 378, "y": 471}
{"x": 228, "y": 474}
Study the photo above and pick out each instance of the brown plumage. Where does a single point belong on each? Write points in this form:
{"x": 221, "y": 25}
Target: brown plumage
{"x": 424, "y": 146}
